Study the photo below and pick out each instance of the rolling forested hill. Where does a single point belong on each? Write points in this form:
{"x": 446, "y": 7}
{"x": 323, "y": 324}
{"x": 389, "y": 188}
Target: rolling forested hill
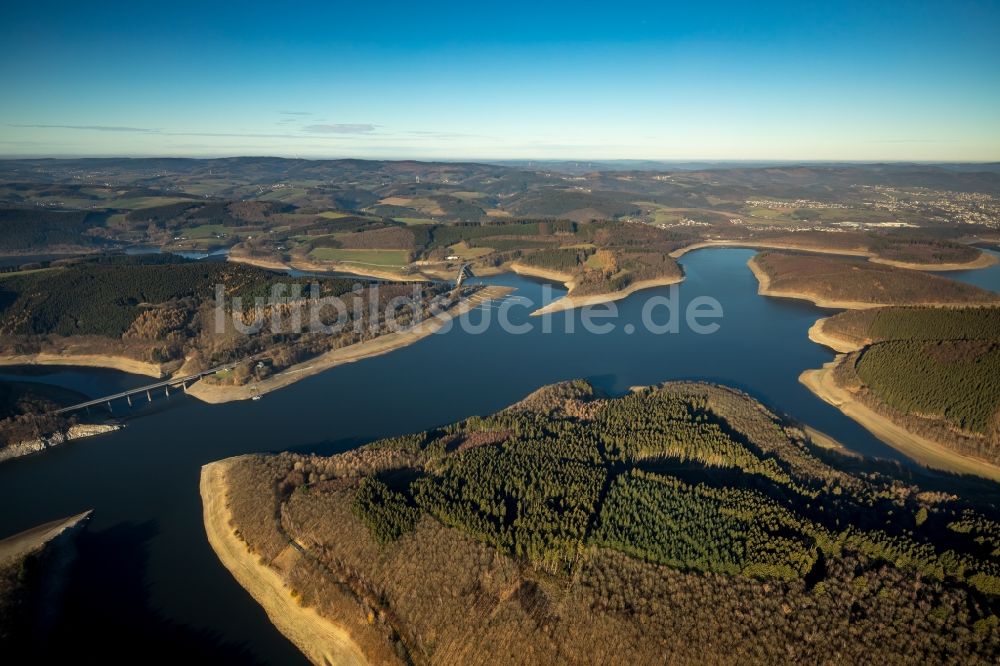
{"x": 936, "y": 371}
{"x": 825, "y": 278}
{"x": 160, "y": 309}
{"x": 25, "y": 229}
{"x": 684, "y": 523}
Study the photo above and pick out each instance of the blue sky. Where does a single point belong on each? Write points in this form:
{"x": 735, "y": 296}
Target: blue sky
{"x": 710, "y": 80}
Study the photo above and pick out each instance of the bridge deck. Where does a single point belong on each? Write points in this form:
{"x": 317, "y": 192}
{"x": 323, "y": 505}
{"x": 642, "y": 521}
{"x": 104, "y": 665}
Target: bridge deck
{"x": 166, "y": 383}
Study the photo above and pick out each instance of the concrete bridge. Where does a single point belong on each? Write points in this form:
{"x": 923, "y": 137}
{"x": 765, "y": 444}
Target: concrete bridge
{"x": 148, "y": 389}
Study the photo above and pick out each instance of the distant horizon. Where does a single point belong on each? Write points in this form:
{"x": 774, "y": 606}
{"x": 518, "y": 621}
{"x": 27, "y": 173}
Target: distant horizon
{"x": 726, "y": 81}
{"x": 503, "y": 161}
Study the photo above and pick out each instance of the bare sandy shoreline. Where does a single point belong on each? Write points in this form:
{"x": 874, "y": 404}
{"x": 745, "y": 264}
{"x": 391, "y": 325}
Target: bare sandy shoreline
{"x": 824, "y": 441}
{"x": 765, "y": 289}
{"x": 213, "y": 393}
{"x": 217, "y": 393}
{"x": 819, "y": 335}
{"x": 122, "y": 363}
{"x": 982, "y": 261}
{"x": 39, "y": 444}
{"x": 333, "y": 266}
{"x": 320, "y": 640}
{"x": 28, "y": 541}
{"x": 921, "y": 449}
{"x": 754, "y": 245}
{"x": 544, "y": 273}
{"x": 569, "y": 301}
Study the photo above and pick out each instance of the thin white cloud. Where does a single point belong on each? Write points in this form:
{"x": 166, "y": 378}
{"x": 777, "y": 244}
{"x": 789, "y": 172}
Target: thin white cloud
{"x": 95, "y": 128}
{"x": 908, "y": 141}
{"x": 340, "y": 128}
{"x": 361, "y": 129}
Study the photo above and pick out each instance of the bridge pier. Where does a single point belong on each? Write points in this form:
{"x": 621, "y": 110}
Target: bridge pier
{"x": 165, "y": 384}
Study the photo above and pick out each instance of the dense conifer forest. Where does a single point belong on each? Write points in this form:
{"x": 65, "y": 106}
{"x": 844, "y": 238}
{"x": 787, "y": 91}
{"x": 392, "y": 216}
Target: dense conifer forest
{"x": 957, "y": 380}
{"x": 575, "y": 527}
{"x": 916, "y": 323}
{"x": 161, "y": 309}
{"x": 934, "y": 370}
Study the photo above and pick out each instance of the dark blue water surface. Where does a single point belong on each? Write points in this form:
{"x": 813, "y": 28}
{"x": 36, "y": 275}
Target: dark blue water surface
{"x": 987, "y": 278}
{"x": 146, "y": 570}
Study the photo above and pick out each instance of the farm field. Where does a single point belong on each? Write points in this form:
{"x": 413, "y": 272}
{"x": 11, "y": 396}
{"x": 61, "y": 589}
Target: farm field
{"x": 383, "y": 258}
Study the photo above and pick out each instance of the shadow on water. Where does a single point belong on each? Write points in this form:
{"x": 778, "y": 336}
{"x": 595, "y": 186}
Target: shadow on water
{"x": 328, "y": 447}
{"x": 107, "y": 616}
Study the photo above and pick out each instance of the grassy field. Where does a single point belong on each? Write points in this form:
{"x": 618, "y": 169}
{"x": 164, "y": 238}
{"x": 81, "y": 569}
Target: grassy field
{"x": 334, "y": 214}
{"x": 597, "y": 261}
{"x": 662, "y": 216}
{"x": 384, "y": 258}
{"x": 134, "y": 203}
{"x": 771, "y": 213}
{"x": 292, "y": 195}
{"x": 792, "y": 214}
{"x": 670, "y": 215}
{"x": 206, "y": 231}
{"x": 410, "y": 221}
{"x": 465, "y": 252}
{"x": 396, "y": 201}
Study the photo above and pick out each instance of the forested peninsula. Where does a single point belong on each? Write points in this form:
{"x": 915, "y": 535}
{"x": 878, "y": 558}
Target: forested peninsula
{"x": 684, "y": 522}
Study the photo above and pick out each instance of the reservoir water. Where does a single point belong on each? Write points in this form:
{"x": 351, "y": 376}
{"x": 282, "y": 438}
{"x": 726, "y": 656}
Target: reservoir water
{"x": 146, "y": 578}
